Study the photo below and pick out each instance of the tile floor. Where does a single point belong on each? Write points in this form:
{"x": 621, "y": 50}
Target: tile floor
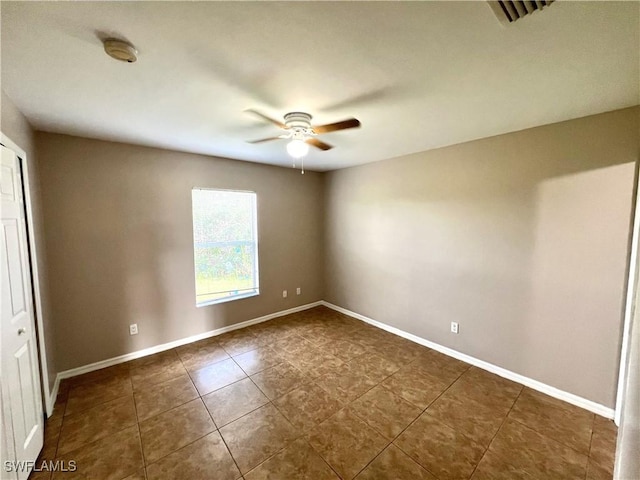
{"x": 317, "y": 395}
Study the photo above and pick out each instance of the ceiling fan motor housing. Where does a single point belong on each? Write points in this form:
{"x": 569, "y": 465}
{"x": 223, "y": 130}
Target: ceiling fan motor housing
{"x": 297, "y": 127}
{"x": 299, "y": 123}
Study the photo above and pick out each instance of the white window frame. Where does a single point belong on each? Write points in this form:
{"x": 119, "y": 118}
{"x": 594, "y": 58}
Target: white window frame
{"x": 256, "y": 271}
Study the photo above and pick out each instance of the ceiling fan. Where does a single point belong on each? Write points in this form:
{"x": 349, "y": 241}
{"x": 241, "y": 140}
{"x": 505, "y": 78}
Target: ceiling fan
{"x": 301, "y": 133}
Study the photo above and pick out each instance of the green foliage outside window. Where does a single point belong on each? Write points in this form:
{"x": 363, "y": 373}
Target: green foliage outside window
{"x": 225, "y": 244}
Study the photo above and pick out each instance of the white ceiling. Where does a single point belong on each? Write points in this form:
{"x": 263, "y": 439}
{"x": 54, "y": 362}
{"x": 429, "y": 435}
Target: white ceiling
{"x": 418, "y": 75}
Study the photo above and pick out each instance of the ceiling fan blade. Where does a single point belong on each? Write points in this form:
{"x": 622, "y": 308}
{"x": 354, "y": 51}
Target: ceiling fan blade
{"x": 265, "y": 139}
{"x": 318, "y": 144}
{"x": 332, "y": 127}
{"x": 268, "y": 119}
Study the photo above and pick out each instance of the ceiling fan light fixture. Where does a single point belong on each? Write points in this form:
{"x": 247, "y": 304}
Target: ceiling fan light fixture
{"x": 301, "y": 133}
{"x": 297, "y": 148}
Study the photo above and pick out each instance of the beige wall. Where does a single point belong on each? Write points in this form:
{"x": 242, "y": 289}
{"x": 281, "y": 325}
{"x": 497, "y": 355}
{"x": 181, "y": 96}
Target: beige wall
{"x": 15, "y": 126}
{"x": 119, "y": 243}
{"x": 521, "y": 238}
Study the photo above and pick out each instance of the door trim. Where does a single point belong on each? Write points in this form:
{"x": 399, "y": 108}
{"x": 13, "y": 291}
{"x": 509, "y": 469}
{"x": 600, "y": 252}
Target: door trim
{"x": 631, "y": 297}
{"x": 35, "y": 277}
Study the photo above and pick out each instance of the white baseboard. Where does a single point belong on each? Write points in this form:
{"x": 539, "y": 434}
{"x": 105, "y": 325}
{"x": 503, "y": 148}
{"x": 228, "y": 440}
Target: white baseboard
{"x": 516, "y": 377}
{"x": 166, "y": 346}
{"x": 508, "y": 374}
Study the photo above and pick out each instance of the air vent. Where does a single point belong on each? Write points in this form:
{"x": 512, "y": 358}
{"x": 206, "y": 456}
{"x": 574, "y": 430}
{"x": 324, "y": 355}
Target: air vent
{"x": 508, "y": 11}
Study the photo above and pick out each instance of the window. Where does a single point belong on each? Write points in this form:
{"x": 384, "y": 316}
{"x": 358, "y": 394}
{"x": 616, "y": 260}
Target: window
{"x": 225, "y": 245}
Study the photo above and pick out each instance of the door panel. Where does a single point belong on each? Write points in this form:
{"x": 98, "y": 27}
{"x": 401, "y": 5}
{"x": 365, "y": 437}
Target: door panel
{"x": 13, "y": 254}
{"x": 21, "y": 401}
{"x": 7, "y": 452}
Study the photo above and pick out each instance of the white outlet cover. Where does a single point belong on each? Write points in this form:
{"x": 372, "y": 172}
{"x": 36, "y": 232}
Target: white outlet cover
{"x": 133, "y": 329}
{"x": 284, "y": 294}
{"x": 454, "y": 327}
{"x": 298, "y": 290}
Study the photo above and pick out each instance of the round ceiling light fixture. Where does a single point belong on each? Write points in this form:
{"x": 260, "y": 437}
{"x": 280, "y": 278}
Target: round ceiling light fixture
{"x": 299, "y": 125}
{"x": 120, "y": 50}
{"x": 297, "y": 148}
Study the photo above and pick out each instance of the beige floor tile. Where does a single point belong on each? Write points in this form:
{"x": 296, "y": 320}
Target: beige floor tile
{"x": 279, "y": 380}
{"x": 174, "y": 429}
{"x": 315, "y": 415}
{"x": 370, "y": 337}
{"x": 59, "y": 406}
{"x": 257, "y": 436}
{"x": 401, "y": 352}
{"x": 155, "y": 399}
{"x": 394, "y": 464}
{"x": 257, "y": 360}
{"x": 52, "y": 429}
{"x": 203, "y": 459}
{"x": 478, "y": 421}
{"x": 307, "y": 406}
{"x": 493, "y": 467}
{"x": 139, "y": 475}
{"x": 343, "y": 349}
{"x": 110, "y": 458}
{"x": 95, "y": 423}
{"x": 271, "y": 332}
{"x": 115, "y": 371}
{"x": 486, "y": 388}
{"x": 560, "y": 421}
{"x": 436, "y": 371}
{"x": 195, "y": 356}
{"x": 435, "y": 361}
{"x": 91, "y": 394}
{"x": 440, "y": 449}
{"x": 596, "y": 472}
{"x": 316, "y": 334}
{"x": 374, "y": 366}
{"x": 345, "y": 383}
{"x": 216, "y": 376}
{"x": 313, "y": 362}
{"x": 40, "y": 473}
{"x": 415, "y": 387}
{"x": 233, "y": 401}
{"x": 346, "y": 443}
{"x": 385, "y": 411}
{"x": 291, "y": 344}
{"x": 240, "y": 343}
{"x": 156, "y": 369}
{"x": 298, "y": 461}
{"x": 529, "y": 450}
{"x": 603, "y": 443}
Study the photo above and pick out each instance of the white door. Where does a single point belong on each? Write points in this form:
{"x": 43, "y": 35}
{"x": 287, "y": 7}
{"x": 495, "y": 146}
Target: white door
{"x": 21, "y": 402}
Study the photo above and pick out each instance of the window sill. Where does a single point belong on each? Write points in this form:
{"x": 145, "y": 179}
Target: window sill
{"x": 227, "y": 299}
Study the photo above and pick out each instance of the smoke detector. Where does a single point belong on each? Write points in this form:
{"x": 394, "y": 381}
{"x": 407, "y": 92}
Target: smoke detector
{"x": 120, "y": 50}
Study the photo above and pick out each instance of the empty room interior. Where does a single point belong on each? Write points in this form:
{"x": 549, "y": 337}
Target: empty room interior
{"x": 320, "y": 240}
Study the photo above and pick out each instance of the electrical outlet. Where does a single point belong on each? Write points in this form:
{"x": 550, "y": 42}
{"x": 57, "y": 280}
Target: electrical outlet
{"x": 454, "y": 327}
{"x": 298, "y": 291}
{"x": 133, "y": 329}
{"x": 284, "y": 294}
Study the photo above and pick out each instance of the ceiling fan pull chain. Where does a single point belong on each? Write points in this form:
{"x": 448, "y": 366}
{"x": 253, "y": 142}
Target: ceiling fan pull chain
{"x": 302, "y": 165}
